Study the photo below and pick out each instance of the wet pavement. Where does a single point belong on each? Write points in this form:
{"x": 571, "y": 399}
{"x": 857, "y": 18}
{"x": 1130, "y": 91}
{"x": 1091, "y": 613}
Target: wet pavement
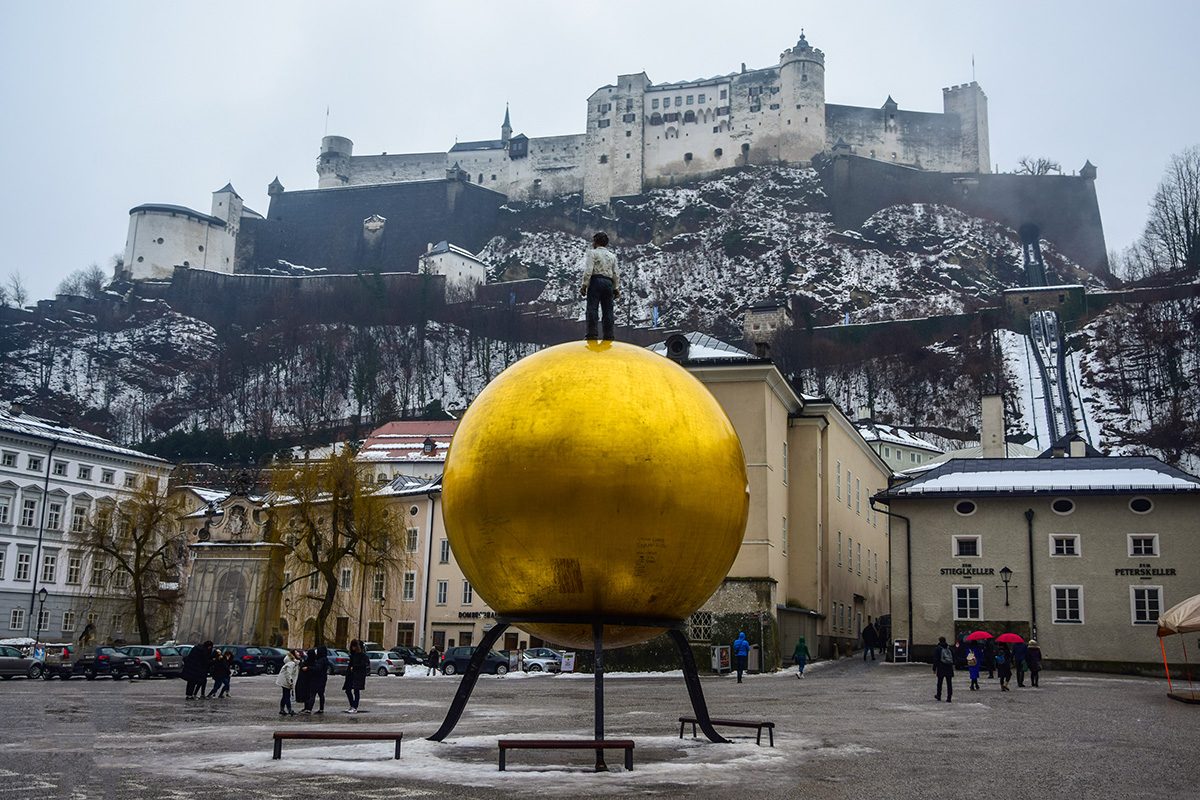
{"x": 848, "y": 730}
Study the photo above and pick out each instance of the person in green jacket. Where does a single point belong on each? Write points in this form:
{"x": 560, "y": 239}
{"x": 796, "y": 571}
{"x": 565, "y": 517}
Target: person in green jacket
{"x": 801, "y": 656}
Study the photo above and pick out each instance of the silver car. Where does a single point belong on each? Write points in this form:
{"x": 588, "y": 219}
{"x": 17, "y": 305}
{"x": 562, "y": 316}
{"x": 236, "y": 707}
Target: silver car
{"x": 384, "y": 663}
{"x": 13, "y": 663}
{"x": 156, "y": 660}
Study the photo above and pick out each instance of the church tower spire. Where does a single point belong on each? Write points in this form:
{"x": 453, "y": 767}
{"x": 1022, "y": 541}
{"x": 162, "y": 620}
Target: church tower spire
{"x": 506, "y": 128}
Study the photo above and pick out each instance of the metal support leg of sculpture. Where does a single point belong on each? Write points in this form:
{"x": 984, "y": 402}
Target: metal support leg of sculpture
{"x": 469, "y": 678}
{"x": 691, "y": 677}
{"x": 598, "y": 646}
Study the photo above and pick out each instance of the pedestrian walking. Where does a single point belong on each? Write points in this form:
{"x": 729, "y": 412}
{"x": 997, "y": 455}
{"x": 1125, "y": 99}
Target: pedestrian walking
{"x": 1004, "y": 666}
{"x": 943, "y": 667}
{"x": 433, "y": 660}
{"x": 801, "y": 656}
{"x": 870, "y": 639}
{"x": 1019, "y": 651}
{"x": 974, "y": 656}
{"x": 601, "y": 285}
{"x": 195, "y": 669}
{"x": 318, "y": 676}
{"x": 222, "y": 668}
{"x": 1033, "y": 657}
{"x": 356, "y": 675}
{"x": 304, "y": 681}
{"x": 286, "y": 680}
{"x": 989, "y": 657}
{"x": 741, "y": 649}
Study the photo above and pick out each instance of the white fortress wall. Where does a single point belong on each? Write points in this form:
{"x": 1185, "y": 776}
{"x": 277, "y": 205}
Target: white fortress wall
{"x": 396, "y": 168}
{"x": 160, "y": 240}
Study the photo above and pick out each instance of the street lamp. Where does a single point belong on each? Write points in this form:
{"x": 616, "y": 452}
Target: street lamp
{"x": 42, "y": 593}
{"x": 1006, "y": 576}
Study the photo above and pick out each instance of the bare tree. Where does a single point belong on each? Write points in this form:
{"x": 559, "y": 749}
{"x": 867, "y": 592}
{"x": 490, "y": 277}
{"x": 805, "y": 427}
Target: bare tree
{"x": 1171, "y": 240}
{"x": 17, "y": 293}
{"x": 136, "y": 547}
{"x": 332, "y": 516}
{"x": 1027, "y": 165}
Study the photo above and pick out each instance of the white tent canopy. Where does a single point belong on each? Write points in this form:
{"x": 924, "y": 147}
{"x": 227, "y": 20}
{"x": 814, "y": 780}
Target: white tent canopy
{"x": 1182, "y": 618}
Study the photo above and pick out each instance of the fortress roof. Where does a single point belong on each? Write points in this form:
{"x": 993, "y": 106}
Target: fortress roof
{"x": 184, "y": 211}
{"x": 486, "y": 144}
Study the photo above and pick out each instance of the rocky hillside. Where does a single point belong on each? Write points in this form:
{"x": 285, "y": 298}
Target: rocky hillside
{"x": 695, "y": 256}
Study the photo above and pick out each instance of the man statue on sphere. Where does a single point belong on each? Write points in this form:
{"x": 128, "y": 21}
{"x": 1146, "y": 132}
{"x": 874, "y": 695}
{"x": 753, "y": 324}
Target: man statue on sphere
{"x": 601, "y": 285}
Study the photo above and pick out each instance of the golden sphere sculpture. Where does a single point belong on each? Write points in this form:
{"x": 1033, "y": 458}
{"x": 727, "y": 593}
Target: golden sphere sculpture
{"x": 595, "y": 480}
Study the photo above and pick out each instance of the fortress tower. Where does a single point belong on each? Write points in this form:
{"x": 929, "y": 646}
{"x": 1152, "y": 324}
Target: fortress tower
{"x": 333, "y": 165}
{"x": 802, "y": 92}
{"x": 969, "y": 104}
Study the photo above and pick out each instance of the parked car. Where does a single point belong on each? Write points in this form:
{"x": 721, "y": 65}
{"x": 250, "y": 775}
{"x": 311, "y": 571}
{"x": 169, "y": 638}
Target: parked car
{"x": 13, "y": 662}
{"x": 457, "y": 658}
{"x": 339, "y": 661}
{"x": 383, "y": 664}
{"x": 247, "y": 660}
{"x": 157, "y": 660}
{"x": 410, "y": 654}
{"x": 106, "y": 661}
{"x": 272, "y": 659}
{"x": 541, "y": 659}
{"x": 60, "y": 662}
{"x": 184, "y": 649}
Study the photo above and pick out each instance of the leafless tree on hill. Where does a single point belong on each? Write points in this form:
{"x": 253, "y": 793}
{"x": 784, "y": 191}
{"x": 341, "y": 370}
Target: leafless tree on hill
{"x": 1027, "y": 165}
{"x": 1170, "y": 242}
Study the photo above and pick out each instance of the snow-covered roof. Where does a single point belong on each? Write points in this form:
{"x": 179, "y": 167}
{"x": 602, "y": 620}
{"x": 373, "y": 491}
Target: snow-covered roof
{"x": 1011, "y": 450}
{"x": 410, "y": 485}
{"x": 38, "y": 428}
{"x": 406, "y": 441}
{"x": 1027, "y": 476}
{"x": 703, "y": 347}
{"x": 875, "y": 432}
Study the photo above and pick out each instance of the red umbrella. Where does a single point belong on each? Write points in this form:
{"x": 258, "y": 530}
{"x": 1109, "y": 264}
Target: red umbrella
{"x": 977, "y": 635}
{"x": 1009, "y": 638}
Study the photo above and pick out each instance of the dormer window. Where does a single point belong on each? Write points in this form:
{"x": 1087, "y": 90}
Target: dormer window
{"x": 428, "y": 447}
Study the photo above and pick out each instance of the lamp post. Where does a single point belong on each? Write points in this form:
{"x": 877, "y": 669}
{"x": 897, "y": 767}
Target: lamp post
{"x": 41, "y": 595}
{"x": 1006, "y": 576}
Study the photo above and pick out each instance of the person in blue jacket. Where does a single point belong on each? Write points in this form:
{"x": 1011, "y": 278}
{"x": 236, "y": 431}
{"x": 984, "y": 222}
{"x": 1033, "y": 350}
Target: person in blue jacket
{"x": 741, "y": 649}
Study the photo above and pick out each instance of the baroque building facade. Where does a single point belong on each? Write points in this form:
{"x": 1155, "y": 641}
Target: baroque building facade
{"x": 641, "y": 135}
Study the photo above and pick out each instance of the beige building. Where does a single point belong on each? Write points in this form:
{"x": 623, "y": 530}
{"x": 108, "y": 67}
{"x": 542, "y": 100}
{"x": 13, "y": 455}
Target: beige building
{"x": 1082, "y": 553}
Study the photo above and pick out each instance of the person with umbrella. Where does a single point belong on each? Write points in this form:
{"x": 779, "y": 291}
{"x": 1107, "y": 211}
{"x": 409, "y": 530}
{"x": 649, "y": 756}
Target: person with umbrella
{"x": 975, "y": 656}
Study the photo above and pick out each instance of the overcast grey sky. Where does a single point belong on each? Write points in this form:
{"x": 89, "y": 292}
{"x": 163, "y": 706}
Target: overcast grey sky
{"x": 109, "y": 105}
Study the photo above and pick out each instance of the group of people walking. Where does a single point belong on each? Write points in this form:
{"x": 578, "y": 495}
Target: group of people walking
{"x": 1001, "y": 661}
{"x": 201, "y": 662}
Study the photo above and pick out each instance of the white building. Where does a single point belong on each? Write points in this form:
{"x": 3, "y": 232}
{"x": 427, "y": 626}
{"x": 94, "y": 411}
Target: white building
{"x": 52, "y": 478}
{"x": 416, "y": 448}
{"x": 898, "y": 448}
{"x": 463, "y": 270}
{"x": 162, "y": 237}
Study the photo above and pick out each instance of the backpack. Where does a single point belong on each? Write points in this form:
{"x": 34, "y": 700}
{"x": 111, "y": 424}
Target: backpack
{"x": 947, "y": 657}
{"x": 999, "y": 658}
{"x": 971, "y": 660}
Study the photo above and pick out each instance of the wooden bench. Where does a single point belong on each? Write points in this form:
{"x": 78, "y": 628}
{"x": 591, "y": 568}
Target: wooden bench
{"x": 734, "y": 723}
{"x": 338, "y": 735}
{"x": 568, "y": 744}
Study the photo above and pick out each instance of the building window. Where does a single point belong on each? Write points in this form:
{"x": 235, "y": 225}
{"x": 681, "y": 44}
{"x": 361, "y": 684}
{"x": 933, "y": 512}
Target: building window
{"x": 117, "y": 623}
{"x": 347, "y": 580}
{"x": 107, "y": 476}
{"x": 43, "y": 623}
{"x": 60, "y": 468}
{"x": 687, "y": 157}
{"x": 848, "y": 497}
{"x": 34, "y": 464}
{"x": 857, "y": 496}
{"x": 858, "y": 558}
{"x": 700, "y": 98}
{"x": 78, "y": 518}
{"x": 966, "y": 602}
{"x": 678, "y": 101}
{"x": 85, "y": 473}
{"x": 1143, "y": 545}
{"x": 718, "y": 152}
{"x": 1141, "y": 505}
{"x": 837, "y": 484}
{"x": 68, "y": 622}
{"x": 654, "y": 103}
{"x": 8, "y": 459}
{"x": 1062, "y": 506}
{"x": 967, "y": 547}
{"x": 28, "y": 512}
{"x": 16, "y": 620}
{"x": 411, "y": 542}
{"x": 604, "y": 123}
{"x": 965, "y": 508}
{"x": 53, "y": 516}
{"x": 24, "y": 565}
{"x": 377, "y": 587}
{"x": 405, "y": 634}
{"x": 49, "y": 567}
{"x": 1068, "y": 604}
{"x": 98, "y": 565}
{"x": 443, "y": 589}
{"x": 1145, "y": 604}
{"x": 410, "y": 586}
{"x": 784, "y": 536}
{"x": 850, "y": 554}
{"x": 1064, "y": 545}
{"x": 74, "y": 569}
{"x": 5, "y": 506}
{"x": 444, "y": 555}
{"x": 375, "y": 632}
{"x": 468, "y": 593}
{"x": 2, "y": 563}
{"x": 603, "y": 159}
{"x": 130, "y": 480}
{"x": 785, "y": 463}
{"x": 314, "y": 581}
{"x": 839, "y": 548}
{"x": 120, "y": 579}
{"x": 700, "y": 626}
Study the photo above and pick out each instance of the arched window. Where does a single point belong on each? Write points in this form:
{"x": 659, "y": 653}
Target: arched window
{"x": 689, "y": 116}
{"x": 672, "y": 133}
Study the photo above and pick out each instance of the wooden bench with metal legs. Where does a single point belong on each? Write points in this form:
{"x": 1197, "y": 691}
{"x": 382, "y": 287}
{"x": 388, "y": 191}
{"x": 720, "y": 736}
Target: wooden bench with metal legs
{"x": 336, "y": 735}
{"x": 734, "y": 723}
{"x": 568, "y": 744}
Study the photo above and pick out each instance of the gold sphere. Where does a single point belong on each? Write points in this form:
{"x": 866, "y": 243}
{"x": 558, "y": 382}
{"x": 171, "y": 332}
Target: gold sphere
{"x": 595, "y": 480}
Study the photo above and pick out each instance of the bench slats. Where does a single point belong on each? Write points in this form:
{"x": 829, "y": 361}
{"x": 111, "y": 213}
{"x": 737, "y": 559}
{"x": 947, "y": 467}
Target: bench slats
{"x": 734, "y": 723}
{"x": 568, "y": 744}
{"x": 279, "y": 736}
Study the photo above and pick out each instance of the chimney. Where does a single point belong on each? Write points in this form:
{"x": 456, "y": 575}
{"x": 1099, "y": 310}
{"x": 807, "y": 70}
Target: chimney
{"x": 991, "y": 427}
{"x": 864, "y": 414}
{"x": 16, "y": 409}
{"x": 677, "y": 347}
{"x": 1078, "y": 448}
{"x": 762, "y": 349}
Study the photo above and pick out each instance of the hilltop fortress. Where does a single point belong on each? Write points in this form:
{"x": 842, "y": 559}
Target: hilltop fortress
{"x": 641, "y": 135}
{"x": 381, "y": 213}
